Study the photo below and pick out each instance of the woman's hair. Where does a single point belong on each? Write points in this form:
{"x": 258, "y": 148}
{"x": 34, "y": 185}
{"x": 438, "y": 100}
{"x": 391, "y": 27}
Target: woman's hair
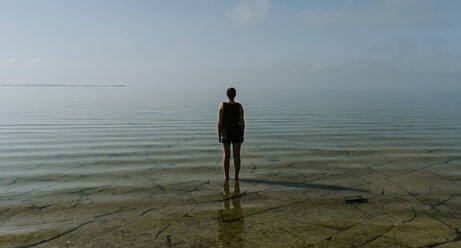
{"x": 231, "y": 93}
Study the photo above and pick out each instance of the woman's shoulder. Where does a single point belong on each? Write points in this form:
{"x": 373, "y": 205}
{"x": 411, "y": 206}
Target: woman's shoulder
{"x": 230, "y": 104}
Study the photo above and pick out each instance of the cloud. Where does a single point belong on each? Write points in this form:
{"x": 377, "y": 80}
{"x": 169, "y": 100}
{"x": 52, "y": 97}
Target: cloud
{"x": 249, "y": 10}
{"x": 379, "y": 14}
{"x": 11, "y": 60}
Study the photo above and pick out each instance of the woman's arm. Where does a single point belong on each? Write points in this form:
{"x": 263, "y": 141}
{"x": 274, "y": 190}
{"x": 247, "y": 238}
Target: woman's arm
{"x": 242, "y": 121}
{"x": 220, "y": 120}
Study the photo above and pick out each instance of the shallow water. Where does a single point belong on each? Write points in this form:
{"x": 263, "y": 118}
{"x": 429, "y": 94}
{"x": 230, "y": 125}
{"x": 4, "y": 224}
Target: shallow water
{"x": 138, "y": 167}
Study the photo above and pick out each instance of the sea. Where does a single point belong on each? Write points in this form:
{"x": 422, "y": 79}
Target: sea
{"x": 66, "y": 151}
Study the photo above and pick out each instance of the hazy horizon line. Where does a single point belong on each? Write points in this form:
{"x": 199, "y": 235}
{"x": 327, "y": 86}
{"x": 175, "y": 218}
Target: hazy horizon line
{"x": 63, "y": 85}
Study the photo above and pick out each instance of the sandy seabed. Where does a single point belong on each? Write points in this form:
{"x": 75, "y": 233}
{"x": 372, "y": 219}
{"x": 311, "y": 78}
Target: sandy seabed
{"x": 413, "y": 201}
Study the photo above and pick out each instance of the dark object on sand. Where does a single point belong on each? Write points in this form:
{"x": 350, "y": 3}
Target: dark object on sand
{"x": 355, "y": 199}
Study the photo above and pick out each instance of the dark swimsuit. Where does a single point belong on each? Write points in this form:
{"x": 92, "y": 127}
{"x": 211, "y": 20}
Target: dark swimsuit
{"x": 231, "y": 131}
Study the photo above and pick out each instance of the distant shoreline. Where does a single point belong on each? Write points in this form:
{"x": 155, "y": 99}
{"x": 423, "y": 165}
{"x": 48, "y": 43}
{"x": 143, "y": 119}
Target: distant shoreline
{"x": 62, "y": 85}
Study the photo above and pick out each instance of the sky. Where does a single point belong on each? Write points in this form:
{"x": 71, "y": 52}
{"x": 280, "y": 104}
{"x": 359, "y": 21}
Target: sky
{"x": 373, "y": 44}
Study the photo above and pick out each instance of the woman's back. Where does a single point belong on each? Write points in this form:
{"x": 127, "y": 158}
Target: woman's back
{"x": 231, "y": 115}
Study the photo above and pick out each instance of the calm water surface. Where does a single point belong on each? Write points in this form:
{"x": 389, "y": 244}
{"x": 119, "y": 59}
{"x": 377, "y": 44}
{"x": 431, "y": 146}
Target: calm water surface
{"x": 55, "y": 141}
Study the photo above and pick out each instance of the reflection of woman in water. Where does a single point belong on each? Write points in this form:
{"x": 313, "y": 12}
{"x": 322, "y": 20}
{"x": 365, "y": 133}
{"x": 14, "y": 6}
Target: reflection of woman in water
{"x": 230, "y": 220}
{"x": 231, "y": 128}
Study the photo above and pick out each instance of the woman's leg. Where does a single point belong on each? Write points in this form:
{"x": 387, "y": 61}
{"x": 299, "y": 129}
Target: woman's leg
{"x": 225, "y": 159}
{"x": 236, "y": 150}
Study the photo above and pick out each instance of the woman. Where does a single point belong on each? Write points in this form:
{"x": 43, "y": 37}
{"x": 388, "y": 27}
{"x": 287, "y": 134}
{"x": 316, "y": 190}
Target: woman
{"x": 231, "y": 128}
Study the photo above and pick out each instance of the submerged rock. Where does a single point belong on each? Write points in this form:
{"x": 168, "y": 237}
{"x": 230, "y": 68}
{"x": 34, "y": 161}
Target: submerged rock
{"x": 355, "y": 199}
